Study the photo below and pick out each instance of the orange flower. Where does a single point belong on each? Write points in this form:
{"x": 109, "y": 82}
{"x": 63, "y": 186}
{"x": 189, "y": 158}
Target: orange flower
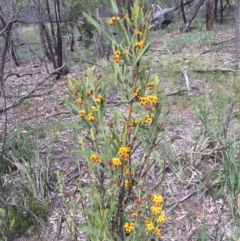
{"x": 112, "y": 20}
{"x": 139, "y": 45}
{"x": 117, "y": 56}
{"x": 138, "y": 33}
{"x": 95, "y": 158}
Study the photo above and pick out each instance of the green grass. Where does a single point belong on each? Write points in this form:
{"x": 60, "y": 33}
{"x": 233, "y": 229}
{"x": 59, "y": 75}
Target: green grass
{"x": 26, "y": 208}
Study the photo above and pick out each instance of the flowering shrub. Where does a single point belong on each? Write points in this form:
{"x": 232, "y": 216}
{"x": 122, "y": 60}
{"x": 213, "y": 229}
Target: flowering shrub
{"x": 118, "y": 206}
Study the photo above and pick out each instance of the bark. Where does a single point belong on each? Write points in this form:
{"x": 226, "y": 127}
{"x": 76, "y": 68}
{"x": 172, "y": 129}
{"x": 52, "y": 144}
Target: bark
{"x": 50, "y": 19}
{"x": 48, "y": 45}
{"x": 194, "y": 13}
{"x": 221, "y": 11}
{"x": 237, "y": 28}
{"x": 209, "y": 14}
{"x": 183, "y": 12}
{"x": 58, "y": 50}
{"x": 44, "y": 42}
{"x": 215, "y": 10}
{"x": 11, "y": 47}
{"x": 99, "y": 39}
{"x": 72, "y": 38}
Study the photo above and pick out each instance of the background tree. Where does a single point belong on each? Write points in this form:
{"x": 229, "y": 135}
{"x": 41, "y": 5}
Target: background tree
{"x": 210, "y": 14}
{"x": 193, "y": 14}
{"x": 237, "y": 27}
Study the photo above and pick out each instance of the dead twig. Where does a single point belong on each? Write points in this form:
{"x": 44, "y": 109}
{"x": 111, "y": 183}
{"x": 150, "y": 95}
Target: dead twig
{"x": 17, "y": 75}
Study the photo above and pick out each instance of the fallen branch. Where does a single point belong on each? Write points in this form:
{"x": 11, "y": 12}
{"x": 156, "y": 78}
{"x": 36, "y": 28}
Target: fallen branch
{"x": 176, "y": 92}
{"x": 186, "y": 77}
{"x": 222, "y": 42}
{"x": 18, "y": 101}
{"x": 213, "y": 70}
{"x": 17, "y": 74}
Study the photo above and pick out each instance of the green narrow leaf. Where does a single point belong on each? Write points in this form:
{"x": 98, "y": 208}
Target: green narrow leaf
{"x": 113, "y": 6}
{"x": 93, "y": 22}
{"x": 135, "y": 12}
{"x": 83, "y": 152}
{"x": 88, "y": 229}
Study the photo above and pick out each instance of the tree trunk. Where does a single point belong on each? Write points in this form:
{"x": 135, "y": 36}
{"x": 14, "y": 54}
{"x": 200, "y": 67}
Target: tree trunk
{"x": 215, "y": 10}
{"x": 58, "y": 50}
{"x": 44, "y": 42}
{"x": 209, "y": 14}
{"x": 194, "y": 14}
{"x": 50, "y": 19}
{"x": 43, "y": 30}
{"x": 11, "y": 47}
{"x": 183, "y": 12}
{"x": 237, "y": 28}
{"x": 72, "y": 38}
{"x": 221, "y": 11}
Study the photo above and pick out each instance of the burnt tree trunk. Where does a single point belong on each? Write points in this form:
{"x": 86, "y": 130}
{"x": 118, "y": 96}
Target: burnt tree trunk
{"x": 209, "y": 14}
{"x": 72, "y": 38}
{"x": 183, "y": 12}
{"x": 237, "y": 28}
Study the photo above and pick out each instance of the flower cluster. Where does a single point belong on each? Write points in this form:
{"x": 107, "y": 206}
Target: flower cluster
{"x": 116, "y": 162}
{"x": 150, "y": 85}
{"x": 112, "y": 20}
{"x": 138, "y": 33}
{"x": 127, "y": 172}
{"x": 127, "y": 183}
{"x": 139, "y": 45}
{"x": 95, "y": 158}
{"x": 137, "y": 121}
{"x": 148, "y": 119}
{"x": 99, "y": 99}
{"x": 149, "y": 226}
{"x": 89, "y": 92}
{"x": 117, "y": 56}
{"x": 162, "y": 219}
{"x": 82, "y": 113}
{"x": 136, "y": 92}
{"x": 124, "y": 153}
{"x": 137, "y": 214}
{"x": 94, "y": 108}
{"x": 155, "y": 210}
{"x": 156, "y": 218}
{"x": 157, "y": 200}
{"x": 129, "y": 227}
{"x": 79, "y": 100}
{"x": 89, "y": 117}
{"x": 150, "y": 99}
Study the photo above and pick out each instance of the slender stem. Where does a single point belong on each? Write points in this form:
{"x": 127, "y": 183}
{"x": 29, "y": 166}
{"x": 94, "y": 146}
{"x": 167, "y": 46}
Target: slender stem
{"x": 136, "y": 76}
